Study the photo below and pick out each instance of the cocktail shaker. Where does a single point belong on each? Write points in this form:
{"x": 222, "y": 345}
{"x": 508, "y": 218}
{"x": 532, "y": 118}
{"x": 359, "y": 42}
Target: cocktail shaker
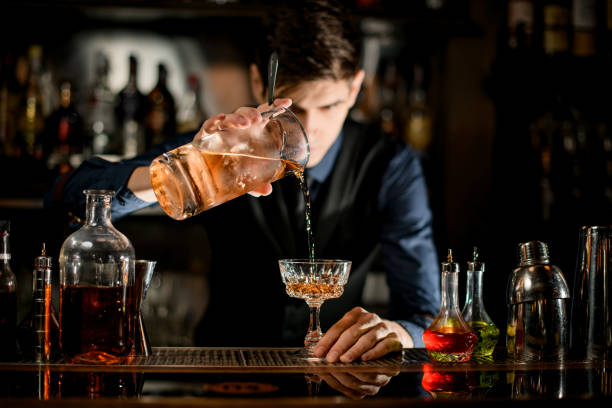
{"x": 538, "y": 307}
{"x": 591, "y": 334}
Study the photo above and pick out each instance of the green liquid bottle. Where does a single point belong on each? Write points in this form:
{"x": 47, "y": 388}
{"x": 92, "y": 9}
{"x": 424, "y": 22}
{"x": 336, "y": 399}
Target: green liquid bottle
{"x": 474, "y": 312}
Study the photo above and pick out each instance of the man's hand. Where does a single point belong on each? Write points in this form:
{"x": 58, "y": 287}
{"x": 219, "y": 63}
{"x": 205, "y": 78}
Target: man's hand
{"x": 357, "y": 385}
{"x": 242, "y": 118}
{"x": 361, "y": 334}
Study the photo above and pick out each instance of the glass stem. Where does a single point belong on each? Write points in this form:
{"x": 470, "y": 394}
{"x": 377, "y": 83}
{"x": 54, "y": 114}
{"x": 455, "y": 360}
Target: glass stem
{"x": 314, "y": 328}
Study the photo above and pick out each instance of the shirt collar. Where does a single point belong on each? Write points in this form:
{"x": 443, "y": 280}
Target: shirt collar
{"x": 321, "y": 170}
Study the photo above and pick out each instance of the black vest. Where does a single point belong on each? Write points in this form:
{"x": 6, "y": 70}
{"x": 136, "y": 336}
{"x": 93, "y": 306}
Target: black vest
{"x": 248, "y": 303}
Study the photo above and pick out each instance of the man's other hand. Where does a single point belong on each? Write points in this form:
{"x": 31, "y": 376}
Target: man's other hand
{"x": 361, "y": 334}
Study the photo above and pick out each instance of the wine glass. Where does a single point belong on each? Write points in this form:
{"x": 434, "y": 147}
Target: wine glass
{"x": 314, "y": 281}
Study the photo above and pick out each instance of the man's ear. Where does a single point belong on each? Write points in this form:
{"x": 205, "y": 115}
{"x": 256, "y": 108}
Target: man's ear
{"x": 355, "y": 86}
{"x": 256, "y": 83}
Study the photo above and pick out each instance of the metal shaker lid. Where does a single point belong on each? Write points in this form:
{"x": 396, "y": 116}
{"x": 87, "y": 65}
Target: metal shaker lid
{"x": 42, "y": 261}
{"x": 533, "y": 253}
{"x": 450, "y": 265}
{"x": 536, "y": 278}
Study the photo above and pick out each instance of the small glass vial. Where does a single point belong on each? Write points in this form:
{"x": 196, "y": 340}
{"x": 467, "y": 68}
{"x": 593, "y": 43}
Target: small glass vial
{"x": 8, "y": 298}
{"x": 41, "y": 307}
{"x": 449, "y": 338}
{"x": 474, "y": 311}
{"x": 97, "y": 311}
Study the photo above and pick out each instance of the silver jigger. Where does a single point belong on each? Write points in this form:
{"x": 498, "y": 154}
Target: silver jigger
{"x": 144, "y": 273}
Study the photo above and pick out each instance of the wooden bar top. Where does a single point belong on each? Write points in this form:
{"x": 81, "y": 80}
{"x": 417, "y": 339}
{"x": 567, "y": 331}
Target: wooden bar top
{"x": 279, "y": 377}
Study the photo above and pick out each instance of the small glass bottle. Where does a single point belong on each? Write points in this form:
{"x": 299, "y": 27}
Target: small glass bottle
{"x": 38, "y": 333}
{"x": 97, "y": 314}
{"x": 41, "y": 307}
{"x": 449, "y": 338}
{"x": 474, "y": 312}
{"x": 8, "y": 298}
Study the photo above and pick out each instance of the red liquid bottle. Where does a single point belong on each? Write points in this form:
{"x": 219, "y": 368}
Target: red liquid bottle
{"x": 449, "y": 338}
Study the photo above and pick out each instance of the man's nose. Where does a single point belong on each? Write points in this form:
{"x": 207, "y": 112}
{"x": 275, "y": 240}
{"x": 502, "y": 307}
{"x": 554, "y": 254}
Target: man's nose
{"x": 308, "y": 121}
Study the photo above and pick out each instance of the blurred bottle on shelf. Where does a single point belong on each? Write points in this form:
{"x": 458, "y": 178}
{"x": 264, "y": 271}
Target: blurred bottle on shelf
{"x": 520, "y": 23}
{"x": 562, "y": 133}
{"x": 160, "y": 117}
{"x": 130, "y": 110}
{"x": 190, "y": 115}
{"x": 556, "y": 19}
{"x": 390, "y": 97}
{"x": 6, "y": 136}
{"x": 64, "y": 132}
{"x": 101, "y": 128}
{"x": 584, "y": 25}
{"x": 418, "y": 126}
{"x": 30, "y": 119}
{"x": 514, "y": 88}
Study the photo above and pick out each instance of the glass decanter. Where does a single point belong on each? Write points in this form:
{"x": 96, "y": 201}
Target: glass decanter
{"x": 449, "y": 338}
{"x": 474, "y": 312}
{"x": 97, "y": 311}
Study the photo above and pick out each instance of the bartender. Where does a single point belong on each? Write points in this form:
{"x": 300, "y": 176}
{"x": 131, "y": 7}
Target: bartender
{"x": 369, "y": 205}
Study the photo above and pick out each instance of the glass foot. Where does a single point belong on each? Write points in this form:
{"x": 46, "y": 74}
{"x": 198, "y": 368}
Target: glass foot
{"x": 305, "y": 354}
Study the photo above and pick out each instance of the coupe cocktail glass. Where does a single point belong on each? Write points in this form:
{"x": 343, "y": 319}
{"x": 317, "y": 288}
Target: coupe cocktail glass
{"x": 315, "y": 282}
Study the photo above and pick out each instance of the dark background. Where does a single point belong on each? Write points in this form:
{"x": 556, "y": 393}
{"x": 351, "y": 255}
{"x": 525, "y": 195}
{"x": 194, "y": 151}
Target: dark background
{"x": 500, "y": 111}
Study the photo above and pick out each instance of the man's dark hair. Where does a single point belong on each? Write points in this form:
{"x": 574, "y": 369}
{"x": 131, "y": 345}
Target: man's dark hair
{"x": 314, "y": 39}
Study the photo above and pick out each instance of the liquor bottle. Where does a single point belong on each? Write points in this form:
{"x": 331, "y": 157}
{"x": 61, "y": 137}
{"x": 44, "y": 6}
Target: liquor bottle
{"x": 14, "y": 84}
{"x": 64, "y": 132}
{"x": 101, "y": 129}
{"x": 130, "y": 110}
{"x": 160, "y": 117}
{"x": 584, "y": 25}
{"x": 390, "y": 88}
{"x": 520, "y": 23}
{"x": 97, "y": 311}
{"x": 556, "y": 18}
{"x": 8, "y": 298}
{"x": 418, "y": 129}
{"x": 474, "y": 311}
{"x": 190, "y": 115}
{"x": 449, "y": 338}
{"x": 31, "y": 122}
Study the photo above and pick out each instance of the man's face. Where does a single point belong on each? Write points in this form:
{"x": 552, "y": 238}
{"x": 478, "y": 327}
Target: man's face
{"x": 322, "y": 107}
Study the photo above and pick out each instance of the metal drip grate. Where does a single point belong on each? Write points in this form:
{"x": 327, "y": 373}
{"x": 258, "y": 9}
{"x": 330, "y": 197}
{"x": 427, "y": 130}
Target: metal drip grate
{"x": 205, "y": 357}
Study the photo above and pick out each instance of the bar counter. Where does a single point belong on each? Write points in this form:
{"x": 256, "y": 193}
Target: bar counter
{"x": 277, "y": 377}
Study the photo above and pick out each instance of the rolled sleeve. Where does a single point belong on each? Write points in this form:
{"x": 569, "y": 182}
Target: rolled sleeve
{"x": 97, "y": 173}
